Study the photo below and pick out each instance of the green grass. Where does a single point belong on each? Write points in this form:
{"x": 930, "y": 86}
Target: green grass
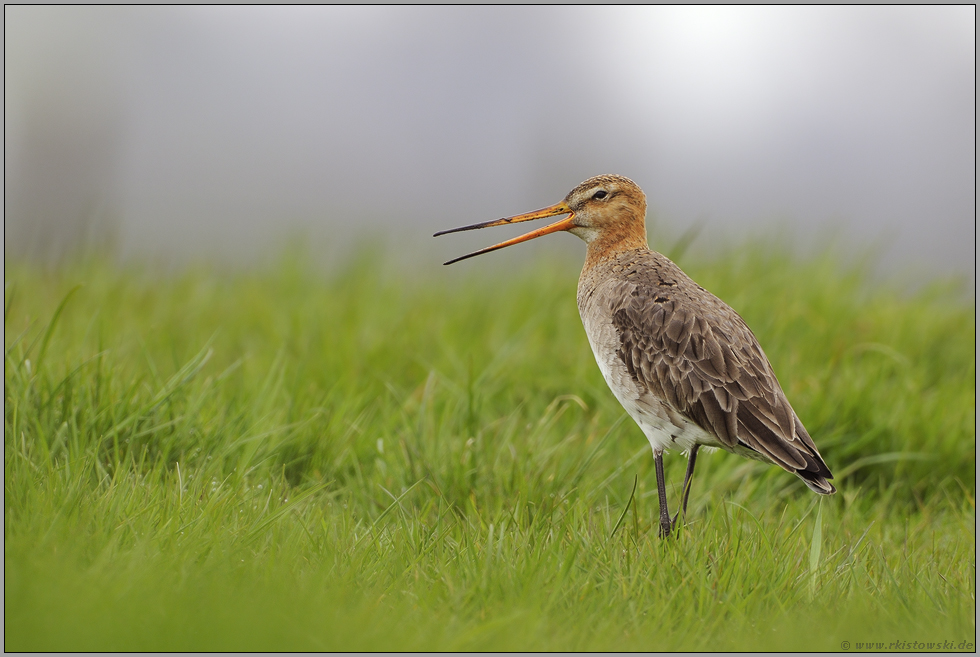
{"x": 367, "y": 459}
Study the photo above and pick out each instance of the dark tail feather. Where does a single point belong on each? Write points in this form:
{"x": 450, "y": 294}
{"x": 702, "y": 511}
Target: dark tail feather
{"x": 815, "y": 474}
{"x": 816, "y": 483}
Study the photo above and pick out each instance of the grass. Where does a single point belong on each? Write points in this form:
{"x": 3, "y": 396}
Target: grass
{"x": 287, "y": 459}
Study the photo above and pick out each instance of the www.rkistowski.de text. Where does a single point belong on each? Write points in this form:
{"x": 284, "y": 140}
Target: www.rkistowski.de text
{"x": 907, "y": 645}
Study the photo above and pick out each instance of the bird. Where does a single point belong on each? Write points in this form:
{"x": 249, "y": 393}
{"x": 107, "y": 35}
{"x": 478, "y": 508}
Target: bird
{"x": 683, "y": 364}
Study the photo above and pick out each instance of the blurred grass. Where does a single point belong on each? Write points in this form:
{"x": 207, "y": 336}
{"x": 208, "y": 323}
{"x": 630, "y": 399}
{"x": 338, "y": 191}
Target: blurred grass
{"x": 374, "y": 459}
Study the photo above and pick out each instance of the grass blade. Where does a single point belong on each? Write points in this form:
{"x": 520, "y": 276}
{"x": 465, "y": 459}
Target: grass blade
{"x": 255, "y": 531}
{"x": 627, "y": 508}
{"x": 815, "y": 546}
{"x": 51, "y": 326}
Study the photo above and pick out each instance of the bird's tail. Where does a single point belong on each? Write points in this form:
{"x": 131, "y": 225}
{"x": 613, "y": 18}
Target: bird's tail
{"x": 816, "y": 473}
{"x": 816, "y": 483}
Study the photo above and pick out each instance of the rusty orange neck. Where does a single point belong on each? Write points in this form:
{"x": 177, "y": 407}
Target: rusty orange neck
{"x": 613, "y": 241}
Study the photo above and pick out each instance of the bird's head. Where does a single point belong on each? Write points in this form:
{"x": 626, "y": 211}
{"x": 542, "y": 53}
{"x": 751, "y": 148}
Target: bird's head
{"x": 607, "y": 209}
{"x": 607, "y": 204}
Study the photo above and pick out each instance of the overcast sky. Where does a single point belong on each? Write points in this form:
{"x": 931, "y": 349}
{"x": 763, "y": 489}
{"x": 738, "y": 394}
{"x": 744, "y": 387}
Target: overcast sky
{"x": 220, "y": 130}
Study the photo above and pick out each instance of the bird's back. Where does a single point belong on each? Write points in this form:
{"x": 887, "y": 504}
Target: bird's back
{"x": 687, "y": 368}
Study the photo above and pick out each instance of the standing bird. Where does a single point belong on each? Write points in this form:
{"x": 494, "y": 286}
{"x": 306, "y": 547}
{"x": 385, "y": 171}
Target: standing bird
{"x": 682, "y": 363}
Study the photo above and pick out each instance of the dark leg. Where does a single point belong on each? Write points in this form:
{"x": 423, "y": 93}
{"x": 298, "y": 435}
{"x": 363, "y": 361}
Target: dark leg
{"x": 658, "y": 462}
{"x": 689, "y": 475}
{"x": 692, "y": 457}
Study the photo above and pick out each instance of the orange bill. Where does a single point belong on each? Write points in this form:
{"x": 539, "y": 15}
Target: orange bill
{"x": 551, "y": 211}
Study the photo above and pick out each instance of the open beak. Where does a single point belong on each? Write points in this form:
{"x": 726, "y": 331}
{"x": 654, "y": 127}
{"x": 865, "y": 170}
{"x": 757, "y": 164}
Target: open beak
{"x": 551, "y": 211}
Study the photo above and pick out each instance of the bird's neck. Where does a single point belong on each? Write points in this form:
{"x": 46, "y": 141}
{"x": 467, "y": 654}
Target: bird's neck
{"x": 610, "y": 243}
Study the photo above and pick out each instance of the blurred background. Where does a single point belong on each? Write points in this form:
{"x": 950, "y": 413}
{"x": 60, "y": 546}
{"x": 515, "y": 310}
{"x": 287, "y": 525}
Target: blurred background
{"x": 181, "y": 133}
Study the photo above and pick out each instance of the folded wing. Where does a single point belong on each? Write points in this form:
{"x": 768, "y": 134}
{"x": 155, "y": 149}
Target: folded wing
{"x": 698, "y": 354}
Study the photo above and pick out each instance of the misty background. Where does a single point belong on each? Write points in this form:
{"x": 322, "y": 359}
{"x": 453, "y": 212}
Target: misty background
{"x": 182, "y": 133}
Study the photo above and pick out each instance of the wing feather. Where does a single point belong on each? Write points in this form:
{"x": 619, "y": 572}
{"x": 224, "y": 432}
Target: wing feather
{"x": 693, "y": 351}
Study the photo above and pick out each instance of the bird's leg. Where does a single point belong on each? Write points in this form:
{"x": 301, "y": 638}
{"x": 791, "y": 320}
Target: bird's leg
{"x": 658, "y": 461}
{"x": 689, "y": 475}
{"x": 687, "y": 483}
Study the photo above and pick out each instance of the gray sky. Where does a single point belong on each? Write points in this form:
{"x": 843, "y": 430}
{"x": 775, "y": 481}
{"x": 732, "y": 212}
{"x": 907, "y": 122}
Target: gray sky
{"x": 218, "y": 131}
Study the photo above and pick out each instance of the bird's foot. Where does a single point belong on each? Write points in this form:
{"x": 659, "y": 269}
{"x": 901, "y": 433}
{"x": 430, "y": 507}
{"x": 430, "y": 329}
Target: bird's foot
{"x": 665, "y": 526}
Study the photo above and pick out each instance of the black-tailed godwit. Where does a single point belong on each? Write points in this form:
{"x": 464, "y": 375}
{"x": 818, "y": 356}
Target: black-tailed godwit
{"x": 682, "y": 363}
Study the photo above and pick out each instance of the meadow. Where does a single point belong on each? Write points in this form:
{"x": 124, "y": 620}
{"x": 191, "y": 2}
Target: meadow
{"x": 374, "y": 458}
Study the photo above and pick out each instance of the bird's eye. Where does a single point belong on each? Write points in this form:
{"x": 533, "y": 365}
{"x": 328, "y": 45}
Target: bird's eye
{"x": 601, "y": 194}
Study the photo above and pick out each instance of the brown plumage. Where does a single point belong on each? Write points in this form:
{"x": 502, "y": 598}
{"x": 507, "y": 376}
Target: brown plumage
{"x": 683, "y": 364}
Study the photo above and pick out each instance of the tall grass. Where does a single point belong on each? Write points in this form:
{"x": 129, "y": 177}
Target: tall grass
{"x": 375, "y": 459}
